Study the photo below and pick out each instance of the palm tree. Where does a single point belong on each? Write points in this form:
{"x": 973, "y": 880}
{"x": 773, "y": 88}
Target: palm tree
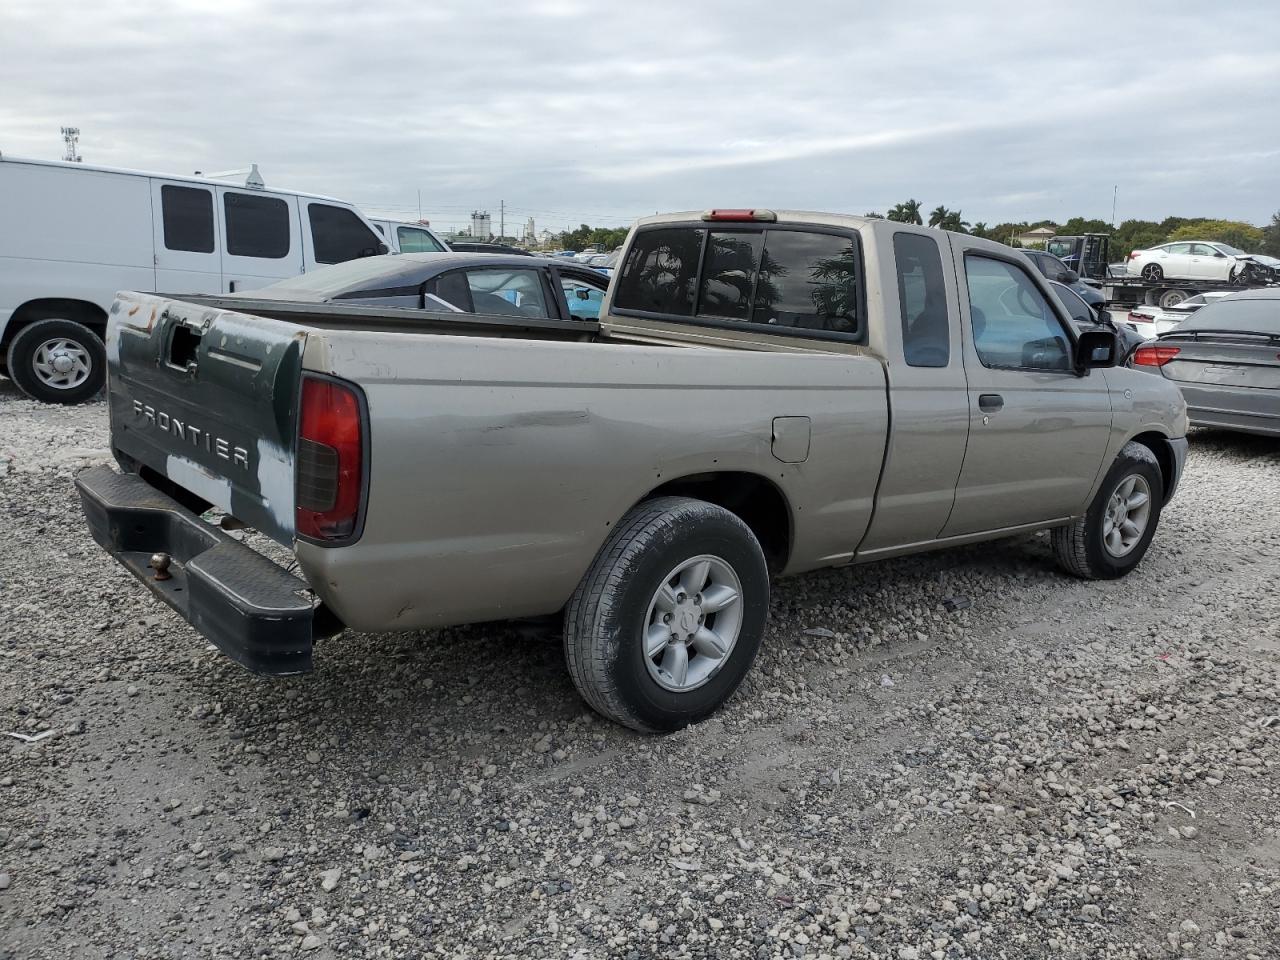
{"x": 979, "y": 229}
{"x": 907, "y": 212}
{"x": 872, "y": 215}
{"x": 939, "y": 214}
{"x": 954, "y": 222}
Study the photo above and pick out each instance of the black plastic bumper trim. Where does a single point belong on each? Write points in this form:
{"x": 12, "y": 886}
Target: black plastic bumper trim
{"x": 258, "y": 614}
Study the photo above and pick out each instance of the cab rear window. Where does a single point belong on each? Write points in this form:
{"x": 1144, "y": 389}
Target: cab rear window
{"x": 798, "y": 281}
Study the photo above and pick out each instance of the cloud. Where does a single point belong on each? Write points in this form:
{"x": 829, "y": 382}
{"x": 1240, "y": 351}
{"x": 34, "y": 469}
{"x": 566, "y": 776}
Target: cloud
{"x": 575, "y": 112}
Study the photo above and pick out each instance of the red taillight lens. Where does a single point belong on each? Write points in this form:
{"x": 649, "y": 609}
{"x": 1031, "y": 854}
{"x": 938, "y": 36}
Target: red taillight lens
{"x": 1136, "y": 317}
{"x": 329, "y": 467}
{"x": 755, "y": 216}
{"x": 1154, "y": 356}
{"x": 1134, "y": 254}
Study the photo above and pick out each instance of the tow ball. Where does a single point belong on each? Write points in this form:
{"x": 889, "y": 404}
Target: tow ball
{"x": 160, "y": 562}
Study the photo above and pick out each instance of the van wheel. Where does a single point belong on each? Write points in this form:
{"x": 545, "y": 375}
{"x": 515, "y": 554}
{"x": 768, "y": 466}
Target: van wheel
{"x": 1114, "y": 534}
{"x": 668, "y": 619}
{"x": 58, "y": 361}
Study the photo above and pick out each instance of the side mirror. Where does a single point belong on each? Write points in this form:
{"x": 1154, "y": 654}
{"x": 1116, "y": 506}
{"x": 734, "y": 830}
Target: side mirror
{"x": 584, "y": 293}
{"x": 1070, "y": 276}
{"x": 1096, "y": 348}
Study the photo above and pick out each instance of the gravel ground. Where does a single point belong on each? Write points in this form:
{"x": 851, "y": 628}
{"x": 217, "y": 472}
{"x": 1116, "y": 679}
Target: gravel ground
{"x": 1060, "y": 769}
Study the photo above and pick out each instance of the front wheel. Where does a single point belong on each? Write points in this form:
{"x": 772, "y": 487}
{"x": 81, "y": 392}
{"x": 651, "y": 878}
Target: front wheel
{"x": 58, "y": 361}
{"x": 668, "y": 619}
{"x": 1114, "y": 534}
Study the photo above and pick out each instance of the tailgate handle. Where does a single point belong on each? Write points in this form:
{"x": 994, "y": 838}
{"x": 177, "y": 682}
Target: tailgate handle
{"x": 991, "y": 402}
{"x": 183, "y": 346}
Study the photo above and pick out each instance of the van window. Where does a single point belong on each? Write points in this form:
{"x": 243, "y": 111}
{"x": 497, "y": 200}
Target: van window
{"x": 661, "y": 272}
{"x": 338, "y": 235}
{"x": 922, "y": 295}
{"x": 808, "y": 281}
{"x": 257, "y": 226}
{"x": 728, "y": 274}
{"x": 413, "y": 240}
{"x": 187, "y": 216}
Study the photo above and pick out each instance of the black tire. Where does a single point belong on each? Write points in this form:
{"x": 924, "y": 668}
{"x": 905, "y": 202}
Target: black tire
{"x": 605, "y": 622}
{"x": 1153, "y": 272}
{"x": 23, "y": 354}
{"x": 1171, "y": 298}
{"x": 1080, "y": 546}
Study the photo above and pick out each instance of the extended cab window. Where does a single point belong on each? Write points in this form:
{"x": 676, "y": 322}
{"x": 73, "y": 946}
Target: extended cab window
{"x": 257, "y": 226}
{"x": 922, "y": 294}
{"x": 1014, "y": 327}
{"x": 413, "y": 240}
{"x": 660, "y": 274}
{"x": 187, "y": 216}
{"x": 338, "y": 235}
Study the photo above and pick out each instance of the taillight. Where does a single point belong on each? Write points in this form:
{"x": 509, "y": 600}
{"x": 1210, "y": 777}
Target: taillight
{"x": 755, "y": 216}
{"x": 1136, "y": 317}
{"x": 329, "y": 468}
{"x": 1134, "y": 253}
{"x": 1154, "y": 356}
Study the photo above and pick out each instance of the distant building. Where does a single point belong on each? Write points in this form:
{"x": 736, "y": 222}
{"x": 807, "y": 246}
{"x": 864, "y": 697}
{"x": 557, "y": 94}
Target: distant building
{"x": 481, "y": 225}
{"x": 1036, "y": 238}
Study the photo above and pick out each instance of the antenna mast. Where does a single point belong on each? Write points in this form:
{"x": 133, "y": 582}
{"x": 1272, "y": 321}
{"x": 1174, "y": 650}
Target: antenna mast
{"x": 71, "y": 138}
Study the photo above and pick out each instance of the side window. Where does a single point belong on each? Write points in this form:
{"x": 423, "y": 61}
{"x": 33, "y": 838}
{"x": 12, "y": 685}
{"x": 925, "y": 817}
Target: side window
{"x": 187, "y": 217}
{"x": 922, "y": 292}
{"x": 508, "y": 293}
{"x": 1180, "y": 249}
{"x": 452, "y": 288}
{"x": 728, "y": 273}
{"x": 661, "y": 272}
{"x": 1202, "y": 250}
{"x": 413, "y": 240}
{"x": 808, "y": 281}
{"x": 584, "y": 300}
{"x": 257, "y": 226}
{"x": 338, "y": 235}
{"x": 1013, "y": 324}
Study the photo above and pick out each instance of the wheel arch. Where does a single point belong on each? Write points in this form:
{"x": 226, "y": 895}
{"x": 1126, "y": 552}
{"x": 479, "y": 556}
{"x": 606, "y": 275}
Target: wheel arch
{"x": 754, "y": 499}
{"x": 86, "y": 312}
{"x": 1158, "y": 444}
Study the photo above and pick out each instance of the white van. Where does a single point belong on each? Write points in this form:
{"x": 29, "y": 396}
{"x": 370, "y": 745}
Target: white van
{"x": 404, "y": 237}
{"x": 72, "y": 234}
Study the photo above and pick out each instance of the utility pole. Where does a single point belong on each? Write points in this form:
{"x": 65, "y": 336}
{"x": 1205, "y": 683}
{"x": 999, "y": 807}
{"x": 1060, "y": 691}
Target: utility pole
{"x": 419, "y": 206}
{"x": 502, "y": 219}
{"x": 1114, "y": 193}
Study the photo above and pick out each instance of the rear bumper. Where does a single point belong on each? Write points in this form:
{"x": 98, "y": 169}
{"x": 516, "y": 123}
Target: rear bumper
{"x": 256, "y": 613}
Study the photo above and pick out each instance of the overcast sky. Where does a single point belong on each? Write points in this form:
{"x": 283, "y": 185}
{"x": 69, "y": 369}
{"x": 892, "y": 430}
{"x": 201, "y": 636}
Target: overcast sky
{"x": 600, "y": 112}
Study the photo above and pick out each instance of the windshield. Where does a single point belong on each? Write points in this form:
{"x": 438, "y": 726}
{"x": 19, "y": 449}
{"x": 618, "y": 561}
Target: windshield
{"x": 1237, "y": 315}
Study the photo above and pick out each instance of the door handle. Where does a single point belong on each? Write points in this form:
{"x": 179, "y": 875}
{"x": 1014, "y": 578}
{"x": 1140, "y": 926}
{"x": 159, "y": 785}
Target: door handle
{"x": 990, "y": 402}
{"x": 231, "y": 286}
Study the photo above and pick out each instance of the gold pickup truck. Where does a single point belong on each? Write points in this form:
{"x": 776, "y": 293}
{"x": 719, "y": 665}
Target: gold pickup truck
{"x": 764, "y": 393}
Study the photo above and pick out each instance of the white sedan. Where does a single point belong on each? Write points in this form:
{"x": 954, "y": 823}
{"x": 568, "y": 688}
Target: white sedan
{"x": 1186, "y": 260}
{"x": 1153, "y": 321}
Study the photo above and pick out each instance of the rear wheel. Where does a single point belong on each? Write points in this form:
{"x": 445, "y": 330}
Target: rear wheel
{"x": 58, "y": 361}
{"x": 1171, "y": 298}
{"x": 1114, "y": 534}
{"x": 1153, "y": 272}
{"x": 668, "y": 619}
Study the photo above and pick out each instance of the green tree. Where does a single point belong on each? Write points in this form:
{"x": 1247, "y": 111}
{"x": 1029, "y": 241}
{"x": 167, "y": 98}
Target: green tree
{"x": 872, "y": 215}
{"x": 1243, "y": 235}
{"x": 1078, "y": 225}
{"x": 945, "y": 219}
{"x": 940, "y": 213}
{"x": 1271, "y": 236}
{"x": 979, "y": 229}
{"x": 906, "y": 212}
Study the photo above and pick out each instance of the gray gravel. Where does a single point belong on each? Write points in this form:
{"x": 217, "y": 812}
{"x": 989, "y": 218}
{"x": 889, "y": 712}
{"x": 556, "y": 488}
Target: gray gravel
{"x": 1056, "y": 769}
